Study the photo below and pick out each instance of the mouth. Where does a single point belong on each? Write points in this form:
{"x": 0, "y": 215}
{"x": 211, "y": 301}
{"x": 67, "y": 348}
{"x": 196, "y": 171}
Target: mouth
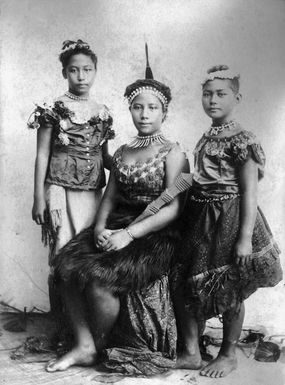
{"x": 82, "y": 85}
{"x": 214, "y": 109}
{"x": 145, "y": 124}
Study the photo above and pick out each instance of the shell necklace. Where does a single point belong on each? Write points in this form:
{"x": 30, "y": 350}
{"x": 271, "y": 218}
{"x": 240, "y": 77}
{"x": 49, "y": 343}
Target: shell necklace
{"x": 145, "y": 141}
{"x": 215, "y": 130}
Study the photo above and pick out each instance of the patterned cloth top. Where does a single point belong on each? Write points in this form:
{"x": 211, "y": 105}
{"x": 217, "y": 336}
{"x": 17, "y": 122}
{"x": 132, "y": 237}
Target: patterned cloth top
{"x": 76, "y": 152}
{"x": 141, "y": 182}
{"x": 217, "y": 161}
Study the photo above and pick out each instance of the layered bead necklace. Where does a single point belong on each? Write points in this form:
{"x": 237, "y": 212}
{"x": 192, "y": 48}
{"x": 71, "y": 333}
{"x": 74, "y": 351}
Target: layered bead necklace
{"x": 75, "y": 97}
{"x": 145, "y": 141}
{"x": 215, "y": 130}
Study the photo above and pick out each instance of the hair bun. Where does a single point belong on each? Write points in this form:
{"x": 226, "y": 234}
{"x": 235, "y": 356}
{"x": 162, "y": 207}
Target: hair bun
{"x": 219, "y": 67}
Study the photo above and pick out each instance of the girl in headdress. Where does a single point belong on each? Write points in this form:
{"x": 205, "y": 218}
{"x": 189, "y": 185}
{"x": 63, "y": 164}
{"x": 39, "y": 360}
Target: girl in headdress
{"x": 117, "y": 271}
{"x": 72, "y": 151}
{"x": 227, "y": 251}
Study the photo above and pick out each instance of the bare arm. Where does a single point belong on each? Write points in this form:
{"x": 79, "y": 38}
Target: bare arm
{"x": 248, "y": 184}
{"x": 175, "y": 164}
{"x": 107, "y": 204}
{"x": 107, "y": 158}
{"x": 41, "y": 164}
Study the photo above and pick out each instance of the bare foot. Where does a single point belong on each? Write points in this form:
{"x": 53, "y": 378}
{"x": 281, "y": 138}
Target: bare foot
{"x": 220, "y": 367}
{"x": 189, "y": 361}
{"x": 79, "y": 355}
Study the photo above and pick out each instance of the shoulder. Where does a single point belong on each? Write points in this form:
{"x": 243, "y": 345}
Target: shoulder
{"x": 118, "y": 152}
{"x": 245, "y": 136}
{"x": 176, "y": 156}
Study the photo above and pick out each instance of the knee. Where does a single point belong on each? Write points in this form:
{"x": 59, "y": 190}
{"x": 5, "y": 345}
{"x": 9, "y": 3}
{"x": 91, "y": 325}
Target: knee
{"x": 96, "y": 289}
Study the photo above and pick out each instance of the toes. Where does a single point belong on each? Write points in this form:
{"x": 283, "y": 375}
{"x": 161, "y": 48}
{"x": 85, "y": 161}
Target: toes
{"x": 51, "y": 366}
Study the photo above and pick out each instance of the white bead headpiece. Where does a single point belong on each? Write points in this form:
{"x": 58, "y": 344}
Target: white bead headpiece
{"x": 149, "y": 90}
{"x": 223, "y": 74}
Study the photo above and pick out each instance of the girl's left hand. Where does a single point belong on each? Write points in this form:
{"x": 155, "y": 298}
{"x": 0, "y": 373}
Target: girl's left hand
{"x": 117, "y": 241}
{"x": 243, "y": 251}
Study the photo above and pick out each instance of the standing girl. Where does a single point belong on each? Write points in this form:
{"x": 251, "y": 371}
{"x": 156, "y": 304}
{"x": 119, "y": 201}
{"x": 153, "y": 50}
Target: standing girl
{"x": 72, "y": 152}
{"x": 228, "y": 250}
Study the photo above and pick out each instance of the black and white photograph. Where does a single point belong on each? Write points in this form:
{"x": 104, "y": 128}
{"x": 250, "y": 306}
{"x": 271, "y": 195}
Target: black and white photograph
{"x": 142, "y": 192}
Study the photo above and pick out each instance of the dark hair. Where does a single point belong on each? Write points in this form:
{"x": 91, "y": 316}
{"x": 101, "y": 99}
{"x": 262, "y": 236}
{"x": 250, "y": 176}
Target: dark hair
{"x": 76, "y": 48}
{"x": 233, "y": 82}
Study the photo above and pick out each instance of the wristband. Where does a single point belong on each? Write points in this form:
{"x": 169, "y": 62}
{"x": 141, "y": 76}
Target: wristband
{"x": 130, "y": 233}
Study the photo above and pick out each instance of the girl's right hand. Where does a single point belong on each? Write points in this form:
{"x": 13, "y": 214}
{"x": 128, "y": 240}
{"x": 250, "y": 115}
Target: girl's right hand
{"x": 101, "y": 236}
{"x": 38, "y": 211}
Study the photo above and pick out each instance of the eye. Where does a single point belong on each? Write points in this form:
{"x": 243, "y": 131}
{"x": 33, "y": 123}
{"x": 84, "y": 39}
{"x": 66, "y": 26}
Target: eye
{"x": 206, "y": 94}
{"x": 136, "y": 107}
{"x": 88, "y": 69}
{"x": 153, "y": 108}
{"x": 221, "y": 94}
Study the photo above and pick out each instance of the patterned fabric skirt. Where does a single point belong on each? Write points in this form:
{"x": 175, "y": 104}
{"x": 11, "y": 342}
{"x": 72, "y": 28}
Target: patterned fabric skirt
{"x": 212, "y": 282}
{"x": 143, "y": 341}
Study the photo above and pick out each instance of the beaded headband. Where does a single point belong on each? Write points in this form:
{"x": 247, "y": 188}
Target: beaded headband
{"x": 220, "y": 72}
{"x": 69, "y": 44}
{"x": 148, "y": 90}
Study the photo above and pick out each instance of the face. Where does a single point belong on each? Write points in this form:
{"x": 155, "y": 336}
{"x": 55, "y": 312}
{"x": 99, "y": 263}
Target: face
{"x": 80, "y": 74}
{"x": 219, "y": 100}
{"x": 147, "y": 113}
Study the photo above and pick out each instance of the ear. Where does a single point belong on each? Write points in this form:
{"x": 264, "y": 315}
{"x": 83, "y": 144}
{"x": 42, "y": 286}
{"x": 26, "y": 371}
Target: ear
{"x": 64, "y": 73}
{"x": 238, "y": 98}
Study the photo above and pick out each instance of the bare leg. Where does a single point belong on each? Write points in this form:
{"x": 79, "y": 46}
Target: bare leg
{"x": 190, "y": 357}
{"x": 84, "y": 351}
{"x": 226, "y": 360}
{"x": 103, "y": 311}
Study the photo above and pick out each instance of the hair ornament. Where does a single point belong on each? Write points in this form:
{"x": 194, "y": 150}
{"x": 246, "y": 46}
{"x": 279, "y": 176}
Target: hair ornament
{"x": 148, "y": 90}
{"x": 221, "y": 71}
{"x": 70, "y": 44}
{"x": 148, "y": 85}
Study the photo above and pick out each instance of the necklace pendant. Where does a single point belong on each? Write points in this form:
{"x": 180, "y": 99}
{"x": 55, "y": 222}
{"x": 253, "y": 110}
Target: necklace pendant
{"x": 215, "y": 130}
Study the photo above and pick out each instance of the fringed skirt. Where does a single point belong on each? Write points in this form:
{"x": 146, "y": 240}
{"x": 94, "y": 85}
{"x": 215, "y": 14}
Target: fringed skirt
{"x": 131, "y": 268}
{"x": 206, "y": 268}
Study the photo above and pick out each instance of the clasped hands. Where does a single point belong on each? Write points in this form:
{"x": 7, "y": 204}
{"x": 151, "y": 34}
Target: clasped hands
{"x": 108, "y": 240}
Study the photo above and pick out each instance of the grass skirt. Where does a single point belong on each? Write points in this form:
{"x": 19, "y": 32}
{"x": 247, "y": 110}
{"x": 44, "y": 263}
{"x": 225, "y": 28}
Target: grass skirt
{"x": 131, "y": 268}
{"x": 212, "y": 282}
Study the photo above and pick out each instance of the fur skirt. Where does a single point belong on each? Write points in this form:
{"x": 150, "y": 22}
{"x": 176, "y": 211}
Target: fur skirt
{"x": 131, "y": 268}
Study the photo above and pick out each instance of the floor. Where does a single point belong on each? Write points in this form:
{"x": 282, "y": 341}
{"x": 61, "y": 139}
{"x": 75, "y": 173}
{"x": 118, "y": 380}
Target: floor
{"x": 14, "y": 372}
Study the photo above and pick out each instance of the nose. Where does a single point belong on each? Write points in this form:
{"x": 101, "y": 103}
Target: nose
{"x": 213, "y": 99}
{"x": 80, "y": 75}
{"x": 144, "y": 113}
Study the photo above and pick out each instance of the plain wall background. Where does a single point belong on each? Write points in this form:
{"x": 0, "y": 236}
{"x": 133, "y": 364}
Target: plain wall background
{"x": 185, "y": 37}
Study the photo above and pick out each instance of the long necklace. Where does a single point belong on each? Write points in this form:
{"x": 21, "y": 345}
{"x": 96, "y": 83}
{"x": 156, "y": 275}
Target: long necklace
{"x": 145, "y": 141}
{"x": 75, "y": 97}
{"x": 215, "y": 130}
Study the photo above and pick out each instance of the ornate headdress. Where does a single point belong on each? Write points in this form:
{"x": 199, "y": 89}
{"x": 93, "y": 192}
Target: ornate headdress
{"x": 221, "y": 71}
{"x": 148, "y": 85}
